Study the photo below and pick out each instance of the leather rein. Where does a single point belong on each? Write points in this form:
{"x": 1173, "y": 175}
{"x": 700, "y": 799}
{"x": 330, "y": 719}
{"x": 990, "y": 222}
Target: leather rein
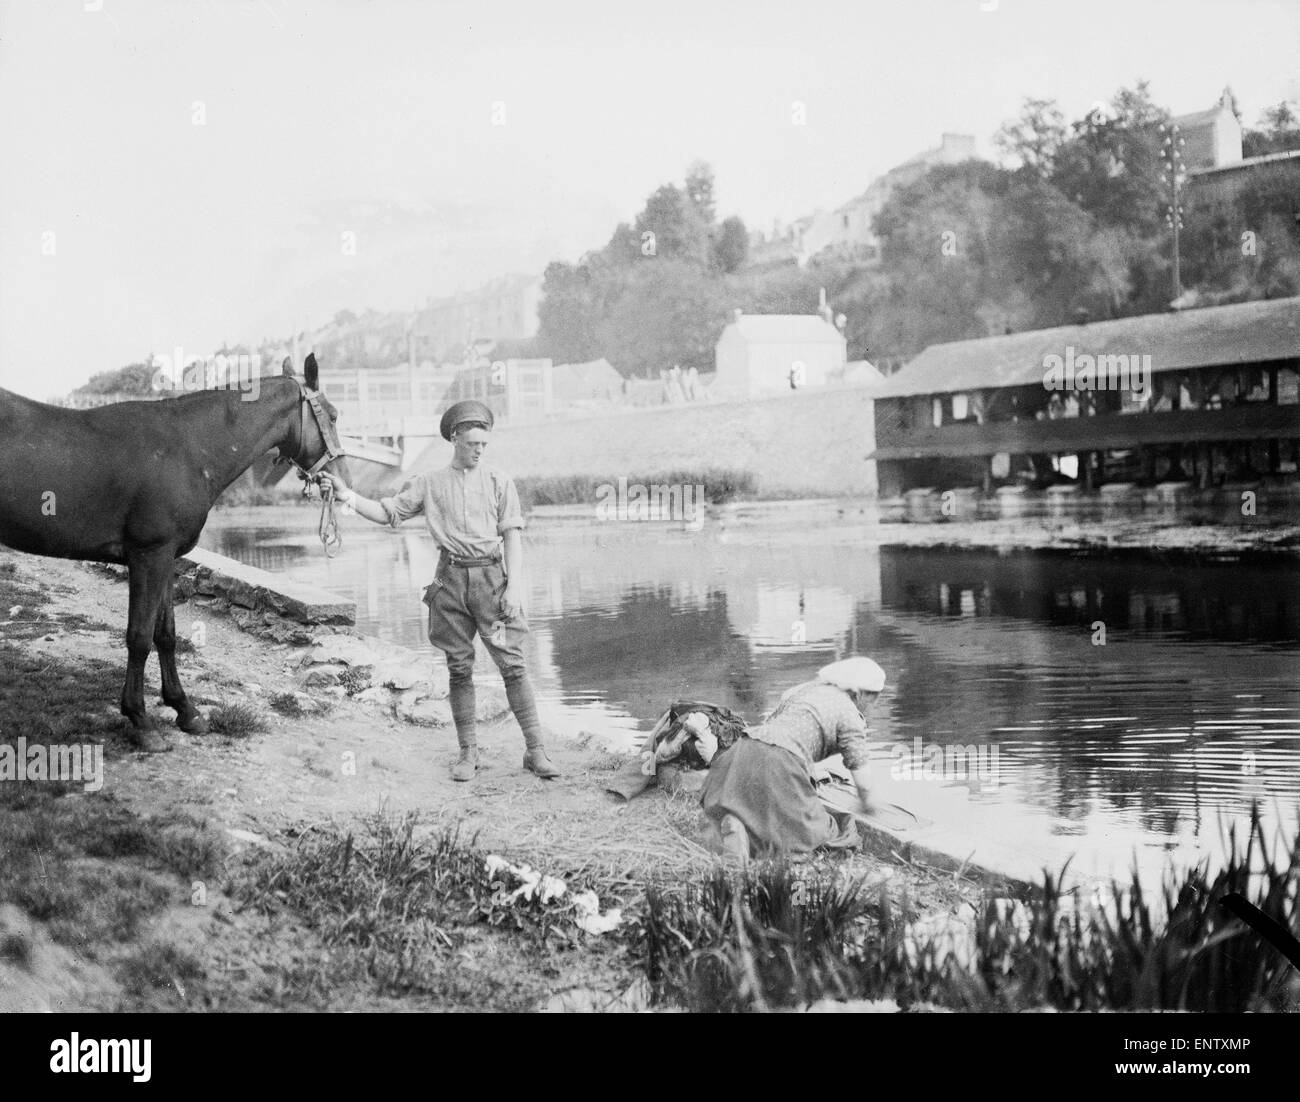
{"x": 328, "y": 528}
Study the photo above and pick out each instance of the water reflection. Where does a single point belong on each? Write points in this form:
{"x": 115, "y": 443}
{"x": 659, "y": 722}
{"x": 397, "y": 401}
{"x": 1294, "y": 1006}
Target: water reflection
{"x": 1185, "y": 710}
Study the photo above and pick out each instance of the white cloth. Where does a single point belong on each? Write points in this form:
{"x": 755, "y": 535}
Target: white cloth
{"x": 857, "y": 674}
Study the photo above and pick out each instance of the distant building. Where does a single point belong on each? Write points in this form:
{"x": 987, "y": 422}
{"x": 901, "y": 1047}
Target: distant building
{"x": 766, "y": 354}
{"x": 594, "y": 382}
{"x": 369, "y": 400}
{"x": 1225, "y": 184}
{"x": 1200, "y": 397}
{"x": 505, "y": 309}
{"x": 375, "y": 339}
{"x": 516, "y": 391}
{"x": 847, "y": 229}
{"x": 1212, "y": 137}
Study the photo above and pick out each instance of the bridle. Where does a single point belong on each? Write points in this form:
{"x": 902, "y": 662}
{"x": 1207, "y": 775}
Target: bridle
{"x": 328, "y": 528}
{"x": 311, "y": 399}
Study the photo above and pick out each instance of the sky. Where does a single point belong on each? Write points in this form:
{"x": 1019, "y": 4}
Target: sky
{"x": 183, "y": 174}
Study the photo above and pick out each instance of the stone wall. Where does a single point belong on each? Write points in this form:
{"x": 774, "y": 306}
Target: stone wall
{"x": 810, "y": 443}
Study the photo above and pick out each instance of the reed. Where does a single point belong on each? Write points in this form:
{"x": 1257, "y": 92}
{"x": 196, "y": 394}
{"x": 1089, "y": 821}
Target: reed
{"x": 749, "y": 941}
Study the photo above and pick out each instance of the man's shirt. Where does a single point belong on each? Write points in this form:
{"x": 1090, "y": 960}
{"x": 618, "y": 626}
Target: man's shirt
{"x": 466, "y": 509}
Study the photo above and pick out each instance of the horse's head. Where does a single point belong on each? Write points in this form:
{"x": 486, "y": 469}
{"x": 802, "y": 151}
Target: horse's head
{"x": 314, "y": 442}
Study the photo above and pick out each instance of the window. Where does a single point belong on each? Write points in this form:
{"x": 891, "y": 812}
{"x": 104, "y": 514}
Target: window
{"x": 938, "y": 412}
{"x": 1288, "y": 386}
{"x": 960, "y": 407}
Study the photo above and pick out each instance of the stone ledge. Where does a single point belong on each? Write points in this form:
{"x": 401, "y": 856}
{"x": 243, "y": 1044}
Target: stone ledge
{"x": 252, "y": 588}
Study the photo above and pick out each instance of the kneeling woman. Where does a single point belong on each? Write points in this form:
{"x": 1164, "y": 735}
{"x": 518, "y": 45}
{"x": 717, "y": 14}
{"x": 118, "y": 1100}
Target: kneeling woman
{"x": 760, "y": 791}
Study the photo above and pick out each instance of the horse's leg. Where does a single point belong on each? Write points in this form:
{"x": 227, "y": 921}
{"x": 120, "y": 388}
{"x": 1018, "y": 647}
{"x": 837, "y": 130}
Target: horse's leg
{"x": 147, "y": 571}
{"x": 188, "y": 718}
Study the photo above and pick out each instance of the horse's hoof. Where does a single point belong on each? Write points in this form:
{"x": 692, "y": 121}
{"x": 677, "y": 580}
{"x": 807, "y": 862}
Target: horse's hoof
{"x": 150, "y": 742}
{"x": 194, "y": 725}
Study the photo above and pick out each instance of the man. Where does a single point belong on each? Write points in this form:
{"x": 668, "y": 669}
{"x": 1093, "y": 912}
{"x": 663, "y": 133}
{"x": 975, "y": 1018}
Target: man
{"x": 472, "y": 512}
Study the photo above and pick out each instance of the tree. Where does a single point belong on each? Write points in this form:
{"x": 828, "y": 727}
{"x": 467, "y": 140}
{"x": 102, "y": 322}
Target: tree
{"x": 566, "y": 315}
{"x": 730, "y": 245}
{"x": 1111, "y": 164}
{"x": 678, "y": 230}
{"x": 1035, "y": 138}
{"x": 671, "y": 313}
{"x": 699, "y": 189}
{"x": 1279, "y": 131}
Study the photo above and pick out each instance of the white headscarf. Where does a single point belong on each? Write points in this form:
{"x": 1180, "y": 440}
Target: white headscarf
{"x": 857, "y": 674}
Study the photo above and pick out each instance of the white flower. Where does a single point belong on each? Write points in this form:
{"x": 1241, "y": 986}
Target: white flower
{"x": 589, "y": 918}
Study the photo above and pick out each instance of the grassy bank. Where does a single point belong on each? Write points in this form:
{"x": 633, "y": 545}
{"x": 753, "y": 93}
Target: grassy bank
{"x": 770, "y": 940}
{"x": 92, "y": 872}
{"x": 408, "y": 913}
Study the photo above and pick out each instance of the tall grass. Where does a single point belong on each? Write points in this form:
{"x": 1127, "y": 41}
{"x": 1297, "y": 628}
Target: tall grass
{"x": 743, "y": 942}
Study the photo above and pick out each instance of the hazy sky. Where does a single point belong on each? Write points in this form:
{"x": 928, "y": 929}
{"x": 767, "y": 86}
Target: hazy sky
{"x": 187, "y": 173}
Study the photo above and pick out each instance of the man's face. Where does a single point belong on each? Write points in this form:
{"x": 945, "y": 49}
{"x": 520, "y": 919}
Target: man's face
{"x": 469, "y": 444}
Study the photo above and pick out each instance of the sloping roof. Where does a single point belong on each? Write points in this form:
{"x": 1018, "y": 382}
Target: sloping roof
{"x": 1199, "y": 118}
{"x": 580, "y": 380}
{"x": 1247, "y": 332}
{"x": 785, "y": 329}
{"x": 1247, "y": 163}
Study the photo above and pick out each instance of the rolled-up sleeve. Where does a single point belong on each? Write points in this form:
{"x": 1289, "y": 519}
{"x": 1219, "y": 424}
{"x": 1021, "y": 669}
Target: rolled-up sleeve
{"x": 851, "y": 736}
{"x": 406, "y": 503}
{"x": 509, "y": 514}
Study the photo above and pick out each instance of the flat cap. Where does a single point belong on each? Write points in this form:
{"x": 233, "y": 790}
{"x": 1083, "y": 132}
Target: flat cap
{"x": 468, "y": 410}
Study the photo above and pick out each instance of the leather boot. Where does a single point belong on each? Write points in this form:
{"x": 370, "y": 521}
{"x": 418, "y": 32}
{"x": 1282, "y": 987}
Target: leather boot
{"x": 520, "y": 695}
{"x": 466, "y": 765}
{"x": 537, "y": 761}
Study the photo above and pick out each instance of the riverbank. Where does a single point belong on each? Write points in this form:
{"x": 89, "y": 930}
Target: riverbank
{"x": 170, "y": 887}
{"x": 867, "y": 522}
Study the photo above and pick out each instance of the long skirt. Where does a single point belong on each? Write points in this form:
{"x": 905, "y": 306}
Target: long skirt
{"x": 768, "y": 789}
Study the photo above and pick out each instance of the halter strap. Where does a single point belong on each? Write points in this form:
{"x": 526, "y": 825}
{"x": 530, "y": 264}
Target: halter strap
{"x": 333, "y": 448}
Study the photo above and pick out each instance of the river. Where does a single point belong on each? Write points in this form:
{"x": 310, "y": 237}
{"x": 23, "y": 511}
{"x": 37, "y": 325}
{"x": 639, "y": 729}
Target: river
{"x": 1137, "y": 704}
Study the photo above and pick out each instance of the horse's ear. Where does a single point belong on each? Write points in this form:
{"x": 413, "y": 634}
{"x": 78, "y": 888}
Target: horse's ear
{"x": 286, "y": 368}
{"x": 311, "y": 373}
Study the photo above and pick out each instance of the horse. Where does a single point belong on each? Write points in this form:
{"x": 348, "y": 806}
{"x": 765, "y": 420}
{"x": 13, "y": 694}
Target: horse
{"x": 132, "y": 484}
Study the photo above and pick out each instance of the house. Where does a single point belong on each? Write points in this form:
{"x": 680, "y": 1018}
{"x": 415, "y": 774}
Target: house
{"x": 514, "y": 390}
{"x": 1212, "y": 138}
{"x": 504, "y": 309}
{"x": 766, "y": 354}
{"x": 586, "y": 383}
{"x": 1201, "y": 397}
{"x": 848, "y": 229}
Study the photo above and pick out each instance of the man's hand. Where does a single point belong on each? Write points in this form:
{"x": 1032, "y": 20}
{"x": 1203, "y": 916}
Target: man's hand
{"x": 511, "y": 602}
{"x": 341, "y": 492}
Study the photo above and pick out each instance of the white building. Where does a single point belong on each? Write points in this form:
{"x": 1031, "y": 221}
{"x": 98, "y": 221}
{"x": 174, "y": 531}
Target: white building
{"x": 848, "y": 228}
{"x": 1213, "y": 137}
{"x": 768, "y": 354}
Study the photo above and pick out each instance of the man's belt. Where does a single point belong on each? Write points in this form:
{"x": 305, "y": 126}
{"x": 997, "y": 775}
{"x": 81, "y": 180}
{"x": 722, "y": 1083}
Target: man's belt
{"x": 470, "y": 560}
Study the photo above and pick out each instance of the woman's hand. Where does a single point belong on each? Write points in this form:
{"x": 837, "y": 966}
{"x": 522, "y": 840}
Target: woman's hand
{"x": 862, "y": 779}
